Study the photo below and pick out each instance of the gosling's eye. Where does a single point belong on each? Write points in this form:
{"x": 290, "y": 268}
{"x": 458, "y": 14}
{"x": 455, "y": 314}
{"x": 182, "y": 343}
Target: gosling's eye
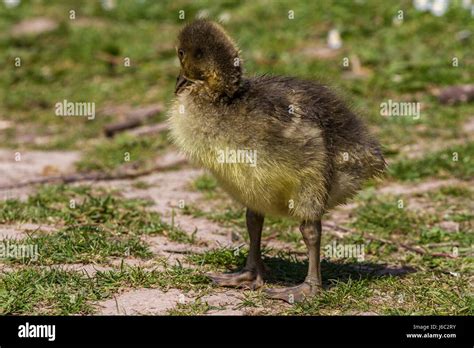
{"x": 180, "y": 54}
{"x": 199, "y": 53}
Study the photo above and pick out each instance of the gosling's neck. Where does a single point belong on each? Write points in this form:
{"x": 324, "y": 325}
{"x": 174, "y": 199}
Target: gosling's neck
{"x": 219, "y": 86}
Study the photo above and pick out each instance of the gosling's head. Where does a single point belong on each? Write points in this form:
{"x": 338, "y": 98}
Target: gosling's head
{"x": 210, "y": 62}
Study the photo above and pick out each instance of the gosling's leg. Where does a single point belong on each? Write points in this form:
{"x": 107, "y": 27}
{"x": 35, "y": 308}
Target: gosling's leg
{"x": 311, "y": 232}
{"x": 251, "y": 276}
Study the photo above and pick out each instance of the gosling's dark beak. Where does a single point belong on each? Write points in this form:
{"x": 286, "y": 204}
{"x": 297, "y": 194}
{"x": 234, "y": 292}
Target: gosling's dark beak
{"x": 181, "y": 83}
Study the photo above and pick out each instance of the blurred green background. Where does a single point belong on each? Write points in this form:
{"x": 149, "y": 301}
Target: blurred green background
{"x": 82, "y": 60}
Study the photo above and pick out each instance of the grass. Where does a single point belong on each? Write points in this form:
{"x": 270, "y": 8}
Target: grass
{"x": 234, "y": 216}
{"x": 65, "y": 204}
{"x": 141, "y": 185}
{"x": 92, "y": 224}
{"x": 81, "y": 204}
{"x": 385, "y": 217}
{"x": 350, "y": 294}
{"x": 410, "y": 295}
{"x": 61, "y": 292}
{"x": 129, "y": 30}
{"x": 83, "y": 244}
{"x": 172, "y": 277}
{"x": 349, "y": 288}
{"x": 221, "y": 258}
{"x": 454, "y": 162}
{"x": 193, "y": 308}
{"x": 122, "y": 150}
{"x": 452, "y": 191}
{"x": 352, "y": 288}
{"x": 207, "y": 185}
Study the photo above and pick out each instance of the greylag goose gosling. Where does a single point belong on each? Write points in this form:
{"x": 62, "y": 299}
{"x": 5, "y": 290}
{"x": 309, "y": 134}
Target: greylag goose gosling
{"x": 280, "y": 146}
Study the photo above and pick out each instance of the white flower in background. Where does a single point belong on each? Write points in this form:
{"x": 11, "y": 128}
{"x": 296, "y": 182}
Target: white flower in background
{"x": 224, "y": 17}
{"x": 422, "y": 5}
{"x": 439, "y": 7}
{"x": 202, "y": 14}
{"x": 334, "y": 39}
{"x": 108, "y": 4}
{"x": 11, "y": 3}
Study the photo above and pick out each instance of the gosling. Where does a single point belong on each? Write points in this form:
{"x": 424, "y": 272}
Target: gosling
{"x": 306, "y": 152}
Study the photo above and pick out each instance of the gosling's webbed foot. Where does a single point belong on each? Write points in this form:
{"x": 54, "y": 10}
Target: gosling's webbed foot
{"x": 246, "y": 278}
{"x": 295, "y": 294}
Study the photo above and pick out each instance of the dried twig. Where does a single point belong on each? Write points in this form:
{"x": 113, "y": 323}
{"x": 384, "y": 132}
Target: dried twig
{"x": 449, "y": 256}
{"x": 111, "y": 129}
{"x": 171, "y": 251}
{"x": 96, "y": 176}
{"x": 134, "y": 118}
{"x": 419, "y": 251}
{"x": 336, "y": 227}
{"x": 437, "y": 245}
{"x": 149, "y": 130}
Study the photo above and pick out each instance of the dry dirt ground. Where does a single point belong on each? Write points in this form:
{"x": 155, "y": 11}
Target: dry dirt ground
{"x": 167, "y": 190}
